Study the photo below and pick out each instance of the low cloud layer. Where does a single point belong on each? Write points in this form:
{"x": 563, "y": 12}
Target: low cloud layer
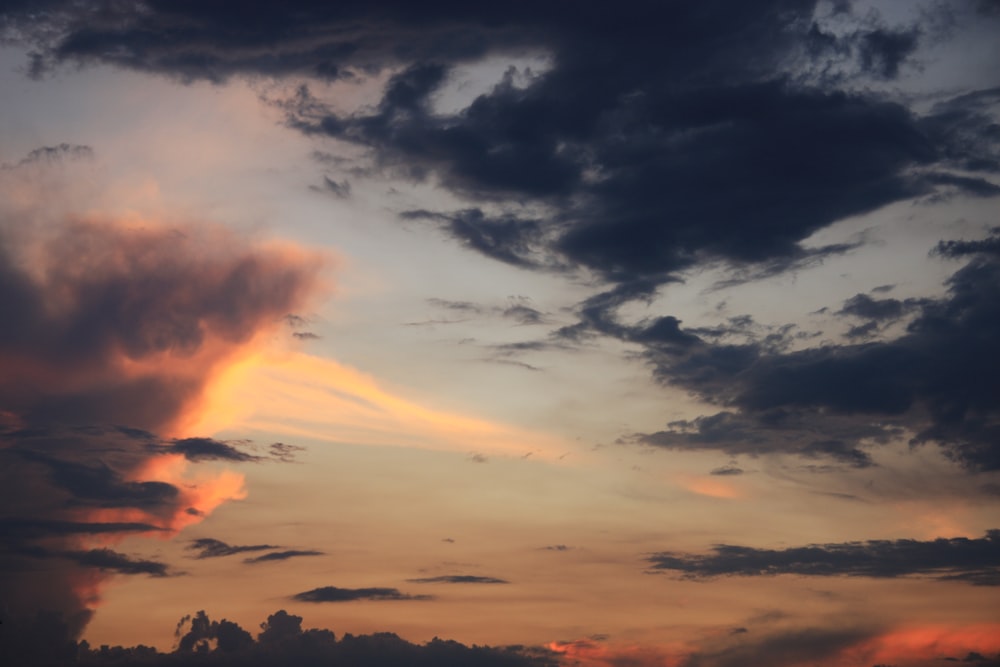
{"x": 207, "y": 547}
{"x": 458, "y": 579}
{"x": 334, "y": 594}
{"x": 282, "y": 556}
{"x": 974, "y": 561}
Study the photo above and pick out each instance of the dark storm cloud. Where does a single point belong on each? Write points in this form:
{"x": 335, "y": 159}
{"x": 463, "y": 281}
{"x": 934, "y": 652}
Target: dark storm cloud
{"x": 458, "y": 579}
{"x": 282, "y": 556}
{"x": 659, "y": 136}
{"x": 660, "y": 204}
{"x": 801, "y": 433}
{"x": 334, "y": 594}
{"x": 974, "y": 561}
{"x": 939, "y": 379}
{"x": 207, "y": 547}
{"x": 657, "y": 139}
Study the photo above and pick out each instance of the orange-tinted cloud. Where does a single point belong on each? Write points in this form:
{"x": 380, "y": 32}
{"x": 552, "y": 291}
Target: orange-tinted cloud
{"x": 711, "y": 487}
{"x": 593, "y": 653}
{"x": 110, "y": 333}
{"x": 296, "y": 394}
{"x": 925, "y": 645}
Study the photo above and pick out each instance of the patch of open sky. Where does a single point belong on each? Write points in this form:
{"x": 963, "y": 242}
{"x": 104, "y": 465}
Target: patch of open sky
{"x": 469, "y": 81}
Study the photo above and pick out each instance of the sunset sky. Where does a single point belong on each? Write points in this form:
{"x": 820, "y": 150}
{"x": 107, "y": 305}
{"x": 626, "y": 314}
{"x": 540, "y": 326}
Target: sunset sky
{"x": 648, "y": 332}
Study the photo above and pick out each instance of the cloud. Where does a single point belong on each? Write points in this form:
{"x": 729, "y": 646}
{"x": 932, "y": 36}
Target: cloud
{"x": 791, "y": 647}
{"x": 634, "y": 165}
{"x": 112, "y": 329}
{"x": 962, "y": 559}
{"x": 111, "y": 561}
{"x": 282, "y": 555}
{"x": 937, "y": 380}
{"x": 334, "y": 594}
{"x": 207, "y": 449}
{"x": 636, "y": 157}
{"x": 727, "y": 470}
{"x": 458, "y": 579}
{"x": 49, "y": 154}
{"x": 207, "y": 547}
{"x": 15, "y": 529}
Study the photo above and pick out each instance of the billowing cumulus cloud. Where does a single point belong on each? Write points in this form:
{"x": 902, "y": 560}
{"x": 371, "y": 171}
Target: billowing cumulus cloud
{"x": 960, "y": 558}
{"x": 111, "y": 331}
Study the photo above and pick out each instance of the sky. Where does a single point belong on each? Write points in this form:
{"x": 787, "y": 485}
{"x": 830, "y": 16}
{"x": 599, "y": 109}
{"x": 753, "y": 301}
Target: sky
{"x": 634, "y": 333}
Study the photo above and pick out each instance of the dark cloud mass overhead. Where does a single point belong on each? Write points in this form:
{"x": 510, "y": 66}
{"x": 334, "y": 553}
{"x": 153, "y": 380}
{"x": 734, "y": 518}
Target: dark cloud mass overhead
{"x": 660, "y": 137}
{"x": 663, "y": 134}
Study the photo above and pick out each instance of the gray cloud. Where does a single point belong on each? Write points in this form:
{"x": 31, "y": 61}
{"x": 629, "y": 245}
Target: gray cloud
{"x": 963, "y": 559}
{"x": 207, "y": 547}
{"x": 458, "y": 579}
{"x": 282, "y": 556}
{"x": 334, "y": 594}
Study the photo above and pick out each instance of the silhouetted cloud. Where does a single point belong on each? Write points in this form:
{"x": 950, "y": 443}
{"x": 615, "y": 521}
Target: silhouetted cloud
{"x": 282, "y": 555}
{"x": 207, "y": 547}
{"x": 112, "y": 561}
{"x": 109, "y": 336}
{"x": 938, "y": 379}
{"x": 971, "y": 560}
{"x": 624, "y": 152}
{"x": 458, "y": 579}
{"x": 334, "y": 594}
{"x": 14, "y": 529}
{"x": 207, "y": 449}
